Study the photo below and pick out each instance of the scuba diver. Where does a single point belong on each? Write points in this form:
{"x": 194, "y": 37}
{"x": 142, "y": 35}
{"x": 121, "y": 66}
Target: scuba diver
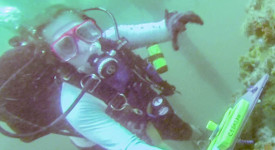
{"x": 68, "y": 76}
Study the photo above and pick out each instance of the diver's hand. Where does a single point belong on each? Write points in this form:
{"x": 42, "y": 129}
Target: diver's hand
{"x": 176, "y": 23}
{"x": 167, "y": 89}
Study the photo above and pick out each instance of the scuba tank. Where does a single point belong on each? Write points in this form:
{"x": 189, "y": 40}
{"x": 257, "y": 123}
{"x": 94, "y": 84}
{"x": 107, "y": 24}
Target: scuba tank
{"x": 157, "y": 59}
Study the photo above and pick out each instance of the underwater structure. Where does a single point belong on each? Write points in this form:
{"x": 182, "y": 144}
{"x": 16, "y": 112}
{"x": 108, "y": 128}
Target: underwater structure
{"x": 259, "y": 27}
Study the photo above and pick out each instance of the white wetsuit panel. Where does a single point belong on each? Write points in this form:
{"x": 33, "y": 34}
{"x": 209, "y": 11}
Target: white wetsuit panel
{"x": 89, "y": 119}
{"x": 141, "y": 35}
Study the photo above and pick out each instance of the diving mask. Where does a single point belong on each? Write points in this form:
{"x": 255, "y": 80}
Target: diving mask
{"x": 66, "y": 46}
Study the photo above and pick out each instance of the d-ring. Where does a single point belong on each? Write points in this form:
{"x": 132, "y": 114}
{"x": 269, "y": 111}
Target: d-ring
{"x": 119, "y": 102}
{"x": 96, "y": 81}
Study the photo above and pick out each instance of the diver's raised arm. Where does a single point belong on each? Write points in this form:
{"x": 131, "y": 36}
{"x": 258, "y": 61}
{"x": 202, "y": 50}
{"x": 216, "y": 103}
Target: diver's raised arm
{"x": 142, "y": 34}
{"x": 146, "y": 34}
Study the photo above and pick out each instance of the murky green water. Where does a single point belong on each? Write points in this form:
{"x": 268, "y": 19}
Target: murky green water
{"x": 205, "y": 69}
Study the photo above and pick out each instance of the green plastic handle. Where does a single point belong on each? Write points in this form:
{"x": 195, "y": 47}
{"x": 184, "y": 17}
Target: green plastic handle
{"x": 229, "y": 126}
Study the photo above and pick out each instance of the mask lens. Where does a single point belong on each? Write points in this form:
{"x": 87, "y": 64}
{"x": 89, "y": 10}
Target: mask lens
{"x": 65, "y": 48}
{"x": 88, "y": 31}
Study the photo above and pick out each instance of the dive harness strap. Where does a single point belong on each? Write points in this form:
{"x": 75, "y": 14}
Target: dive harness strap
{"x": 50, "y": 128}
{"x": 116, "y": 101}
{"x": 144, "y": 68}
{"x": 6, "y": 116}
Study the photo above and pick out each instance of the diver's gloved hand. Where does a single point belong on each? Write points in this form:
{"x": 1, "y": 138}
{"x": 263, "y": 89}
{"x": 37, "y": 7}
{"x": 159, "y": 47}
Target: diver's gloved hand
{"x": 176, "y": 23}
{"x": 168, "y": 89}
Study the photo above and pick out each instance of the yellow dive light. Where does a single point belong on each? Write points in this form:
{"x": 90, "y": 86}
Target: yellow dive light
{"x": 156, "y": 57}
{"x": 227, "y": 131}
{"x": 226, "y": 135}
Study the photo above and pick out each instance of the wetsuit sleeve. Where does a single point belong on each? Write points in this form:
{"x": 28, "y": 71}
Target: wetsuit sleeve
{"x": 89, "y": 119}
{"x": 141, "y": 35}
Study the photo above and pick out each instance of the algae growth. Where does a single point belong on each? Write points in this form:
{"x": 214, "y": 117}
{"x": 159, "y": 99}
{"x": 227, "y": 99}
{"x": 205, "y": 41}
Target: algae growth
{"x": 259, "y": 27}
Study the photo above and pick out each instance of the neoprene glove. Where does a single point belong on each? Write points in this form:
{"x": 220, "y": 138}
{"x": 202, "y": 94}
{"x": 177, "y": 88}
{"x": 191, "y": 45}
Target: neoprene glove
{"x": 176, "y": 23}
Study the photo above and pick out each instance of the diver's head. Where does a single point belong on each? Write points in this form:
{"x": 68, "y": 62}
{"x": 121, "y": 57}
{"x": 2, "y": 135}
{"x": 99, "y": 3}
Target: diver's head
{"x": 73, "y": 39}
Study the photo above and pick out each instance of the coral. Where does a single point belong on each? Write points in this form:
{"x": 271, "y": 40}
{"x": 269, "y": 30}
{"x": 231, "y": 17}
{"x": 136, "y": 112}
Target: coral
{"x": 259, "y": 26}
{"x": 256, "y": 63}
{"x": 260, "y": 21}
{"x": 266, "y": 140}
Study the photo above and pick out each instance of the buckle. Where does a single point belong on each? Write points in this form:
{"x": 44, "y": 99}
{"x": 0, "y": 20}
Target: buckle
{"x": 119, "y": 102}
{"x": 121, "y": 43}
{"x": 94, "y": 83}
